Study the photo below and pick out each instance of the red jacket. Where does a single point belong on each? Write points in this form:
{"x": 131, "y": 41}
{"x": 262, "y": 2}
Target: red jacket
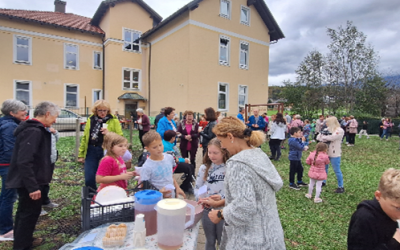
{"x": 317, "y": 171}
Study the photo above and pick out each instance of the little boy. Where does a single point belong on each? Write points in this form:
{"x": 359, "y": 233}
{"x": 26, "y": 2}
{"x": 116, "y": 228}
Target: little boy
{"x": 373, "y": 225}
{"x": 158, "y": 167}
{"x": 296, "y": 148}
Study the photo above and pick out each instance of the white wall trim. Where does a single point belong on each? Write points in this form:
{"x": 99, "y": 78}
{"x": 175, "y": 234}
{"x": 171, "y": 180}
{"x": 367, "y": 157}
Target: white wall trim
{"x": 30, "y": 90}
{"x": 180, "y": 26}
{"x": 113, "y": 40}
{"x": 32, "y": 33}
{"x": 65, "y": 93}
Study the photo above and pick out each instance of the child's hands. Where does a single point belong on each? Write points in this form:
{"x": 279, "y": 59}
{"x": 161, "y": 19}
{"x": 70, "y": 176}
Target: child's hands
{"x": 303, "y": 138}
{"x": 207, "y": 202}
{"x": 396, "y": 235}
{"x": 127, "y": 176}
{"x": 215, "y": 197}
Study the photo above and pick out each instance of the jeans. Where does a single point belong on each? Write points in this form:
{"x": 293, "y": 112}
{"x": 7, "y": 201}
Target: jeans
{"x": 7, "y": 199}
{"x": 385, "y": 132}
{"x": 213, "y": 232}
{"x": 93, "y": 156}
{"x": 335, "y": 162}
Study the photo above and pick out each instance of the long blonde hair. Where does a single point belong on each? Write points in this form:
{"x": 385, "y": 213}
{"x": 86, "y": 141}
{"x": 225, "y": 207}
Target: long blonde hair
{"x": 237, "y": 128}
{"x": 321, "y": 147}
{"x": 332, "y": 124}
{"x": 207, "y": 161}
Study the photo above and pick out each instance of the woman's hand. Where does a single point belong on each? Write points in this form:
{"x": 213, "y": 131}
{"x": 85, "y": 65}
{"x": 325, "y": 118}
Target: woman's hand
{"x": 104, "y": 131}
{"x": 81, "y": 160}
{"x": 213, "y": 215}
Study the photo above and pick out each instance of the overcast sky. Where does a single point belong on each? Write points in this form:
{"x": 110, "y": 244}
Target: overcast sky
{"x": 304, "y": 23}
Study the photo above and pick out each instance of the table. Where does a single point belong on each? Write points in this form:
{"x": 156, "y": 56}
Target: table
{"x": 94, "y": 238}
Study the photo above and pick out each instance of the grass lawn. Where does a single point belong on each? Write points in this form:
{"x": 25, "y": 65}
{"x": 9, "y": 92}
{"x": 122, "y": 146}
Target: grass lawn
{"x": 306, "y": 225}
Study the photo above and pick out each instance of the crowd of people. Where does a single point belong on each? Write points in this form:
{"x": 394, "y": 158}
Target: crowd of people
{"x": 240, "y": 207}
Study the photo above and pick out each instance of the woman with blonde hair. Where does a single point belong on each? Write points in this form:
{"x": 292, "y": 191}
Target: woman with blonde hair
{"x": 250, "y": 212}
{"x": 91, "y": 151}
{"x": 333, "y": 136}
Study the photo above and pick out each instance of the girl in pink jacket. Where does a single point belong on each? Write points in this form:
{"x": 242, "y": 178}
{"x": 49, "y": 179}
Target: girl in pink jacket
{"x": 317, "y": 160}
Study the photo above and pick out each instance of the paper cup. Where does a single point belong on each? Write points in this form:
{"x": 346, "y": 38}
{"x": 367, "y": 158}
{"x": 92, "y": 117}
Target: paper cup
{"x": 105, "y": 125}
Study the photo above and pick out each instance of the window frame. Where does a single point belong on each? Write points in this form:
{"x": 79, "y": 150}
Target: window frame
{"x": 93, "y": 95}
{"x": 228, "y": 50}
{"x": 244, "y": 66}
{"x": 138, "y": 82}
{"x": 139, "y": 44}
{"x": 249, "y": 15}
{"x": 65, "y": 56}
{"x": 229, "y": 2}
{"x": 226, "y": 94}
{"x": 246, "y": 95}
{"x": 29, "y": 90}
{"x": 65, "y": 94}
{"x": 101, "y": 60}
{"x": 15, "y": 47}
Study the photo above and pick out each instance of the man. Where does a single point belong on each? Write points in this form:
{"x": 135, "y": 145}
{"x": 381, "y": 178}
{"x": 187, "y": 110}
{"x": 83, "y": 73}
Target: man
{"x": 158, "y": 117}
{"x": 288, "y": 118}
{"x": 240, "y": 115}
{"x": 31, "y": 170}
{"x": 255, "y": 121}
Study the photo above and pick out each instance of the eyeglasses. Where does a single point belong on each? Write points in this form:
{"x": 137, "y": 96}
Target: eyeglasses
{"x": 99, "y": 110}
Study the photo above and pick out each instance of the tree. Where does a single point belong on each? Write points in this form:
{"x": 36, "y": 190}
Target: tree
{"x": 393, "y": 95}
{"x": 369, "y": 99}
{"x": 350, "y": 62}
{"x": 294, "y": 93}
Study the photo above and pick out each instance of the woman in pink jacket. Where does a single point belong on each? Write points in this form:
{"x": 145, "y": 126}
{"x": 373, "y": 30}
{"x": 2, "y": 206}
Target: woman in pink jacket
{"x": 387, "y": 128}
{"x": 317, "y": 160}
{"x": 353, "y": 125}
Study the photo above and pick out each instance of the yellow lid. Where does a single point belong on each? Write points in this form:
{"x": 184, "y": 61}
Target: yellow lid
{"x": 171, "y": 204}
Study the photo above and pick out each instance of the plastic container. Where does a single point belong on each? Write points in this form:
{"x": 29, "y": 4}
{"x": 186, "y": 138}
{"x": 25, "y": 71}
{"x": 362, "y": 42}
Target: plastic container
{"x": 172, "y": 189}
{"x": 145, "y": 202}
{"x": 139, "y": 232}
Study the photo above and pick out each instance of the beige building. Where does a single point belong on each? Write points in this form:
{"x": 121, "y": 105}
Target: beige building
{"x": 208, "y": 53}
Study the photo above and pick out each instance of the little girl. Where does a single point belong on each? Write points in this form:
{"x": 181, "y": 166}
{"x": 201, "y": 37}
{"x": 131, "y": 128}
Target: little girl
{"x": 112, "y": 169}
{"x": 317, "y": 160}
{"x": 212, "y": 174}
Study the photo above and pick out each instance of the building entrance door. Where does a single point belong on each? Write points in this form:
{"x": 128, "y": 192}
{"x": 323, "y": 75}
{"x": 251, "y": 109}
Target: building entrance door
{"x": 130, "y": 108}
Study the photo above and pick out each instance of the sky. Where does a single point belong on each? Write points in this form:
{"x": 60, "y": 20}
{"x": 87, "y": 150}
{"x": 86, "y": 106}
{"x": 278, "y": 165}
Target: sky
{"x": 304, "y": 23}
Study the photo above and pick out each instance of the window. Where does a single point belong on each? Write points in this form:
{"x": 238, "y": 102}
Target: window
{"x": 23, "y": 50}
{"x": 97, "y": 95}
{"x": 245, "y": 15}
{"x": 224, "y": 44}
{"x": 23, "y": 91}
{"x": 71, "y": 95}
{"x": 71, "y": 56}
{"x": 244, "y": 55}
{"x": 97, "y": 60}
{"x": 130, "y": 36}
{"x": 131, "y": 78}
{"x": 225, "y": 9}
{"x": 242, "y": 96}
{"x": 223, "y": 96}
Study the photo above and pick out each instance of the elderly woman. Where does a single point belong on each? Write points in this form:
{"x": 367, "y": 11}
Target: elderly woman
{"x": 189, "y": 129}
{"x": 334, "y": 138}
{"x": 143, "y": 123}
{"x": 167, "y": 122}
{"x": 296, "y": 122}
{"x": 14, "y": 112}
{"x": 90, "y": 150}
{"x": 251, "y": 181}
{"x": 31, "y": 170}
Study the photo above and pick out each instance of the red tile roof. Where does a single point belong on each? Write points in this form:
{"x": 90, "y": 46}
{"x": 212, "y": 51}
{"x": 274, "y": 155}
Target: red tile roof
{"x": 66, "y": 20}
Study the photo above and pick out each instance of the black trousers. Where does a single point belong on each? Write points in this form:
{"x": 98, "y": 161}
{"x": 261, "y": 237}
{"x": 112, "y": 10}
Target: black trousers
{"x": 296, "y": 168}
{"x": 315, "y": 136}
{"x": 275, "y": 146}
{"x": 28, "y": 212}
{"x": 352, "y": 138}
{"x": 187, "y": 169}
{"x": 141, "y": 133}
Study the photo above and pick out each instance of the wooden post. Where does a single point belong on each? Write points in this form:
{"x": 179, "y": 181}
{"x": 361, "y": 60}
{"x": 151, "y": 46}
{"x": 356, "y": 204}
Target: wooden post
{"x": 131, "y": 131}
{"x": 77, "y": 138}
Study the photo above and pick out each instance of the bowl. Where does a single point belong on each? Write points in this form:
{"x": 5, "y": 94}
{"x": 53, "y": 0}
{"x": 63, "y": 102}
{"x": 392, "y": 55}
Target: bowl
{"x": 198, "y": 213}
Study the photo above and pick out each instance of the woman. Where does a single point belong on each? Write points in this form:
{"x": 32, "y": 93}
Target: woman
{"x": 14, "y": 112}
{"x": 387, "y": 128}
{"x": 381, "y": 127}
{"x": 250, "y": 212}
{"x": 278, "y": 129}
{"x": 190, "y": 134}
{"x": 334, "y": 149}
{"x": 353, "y": 125}
{"x": 207, "y": 133}
{"x": 296, "y": 122}
{"x": 270, "y": 125}
{"x": 167, "y": 122}
{"x": 143, "y": 123}
{"x": 90, "y": 150}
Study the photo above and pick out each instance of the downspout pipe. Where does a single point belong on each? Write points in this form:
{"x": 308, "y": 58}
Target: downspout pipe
{"x": 104, "y": 69}
{"x": 148, "y": 77}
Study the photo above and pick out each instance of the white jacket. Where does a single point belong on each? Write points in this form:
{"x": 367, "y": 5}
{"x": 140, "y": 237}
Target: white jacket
{"x": 278, "y": 131}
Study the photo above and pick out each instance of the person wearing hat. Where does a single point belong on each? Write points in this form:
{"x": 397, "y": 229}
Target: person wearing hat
{"x": 143, "y": 123}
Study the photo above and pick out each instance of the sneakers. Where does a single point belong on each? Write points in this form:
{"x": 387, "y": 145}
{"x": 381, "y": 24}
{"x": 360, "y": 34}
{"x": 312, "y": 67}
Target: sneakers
{"x": 339, "y": 190}
{"x": 323, "y": 184}
{"x": 7, "y": 236}
{"x": 308, "y": 196}
{"x": 43, "y": 213}
{"x": 50, "y": 205}
{"x": 302, "y": 184}
{"x": 272, "y": 157}
{"x": 317, "y": 200}
{"x": 294, "y": 186}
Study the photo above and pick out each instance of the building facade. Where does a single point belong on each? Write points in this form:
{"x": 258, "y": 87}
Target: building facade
{"x": 208, "y": 53}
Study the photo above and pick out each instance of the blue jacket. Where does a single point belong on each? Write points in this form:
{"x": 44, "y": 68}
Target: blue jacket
{"x": 261, "y": 123}
{"x": 296, "y": 147}
{"x": 240, "y": 117}
{"x": 164, "y": 125}
{"x": 172, "y": 149}
{"x": 7, "y": 139}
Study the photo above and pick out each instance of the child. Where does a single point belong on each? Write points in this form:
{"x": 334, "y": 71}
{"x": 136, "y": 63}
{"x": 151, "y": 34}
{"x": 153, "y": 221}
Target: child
{"x": 306, "y": 131}
{"x": 157, "y": 169}
{"x": 296, "y": 148}
{"x": 373, "y": 225}
{"x": 313, "y": 124}
{"x": 112, "y": 169}
{"x": 364, "y": 129}
{"x": 317, "y": 173}
{"x": 212, "y": 174}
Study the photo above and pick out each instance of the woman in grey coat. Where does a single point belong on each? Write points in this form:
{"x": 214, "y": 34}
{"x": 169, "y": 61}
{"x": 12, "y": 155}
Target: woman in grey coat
{"x": 251, "y": 180}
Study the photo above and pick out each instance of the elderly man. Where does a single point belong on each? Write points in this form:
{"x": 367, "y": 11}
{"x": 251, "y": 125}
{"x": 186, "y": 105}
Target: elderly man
{"x": 288, "y": 118}
{"x": 240, "y": 115}
{"x": 31, "y": 170}
{"x": 255, "y": 121}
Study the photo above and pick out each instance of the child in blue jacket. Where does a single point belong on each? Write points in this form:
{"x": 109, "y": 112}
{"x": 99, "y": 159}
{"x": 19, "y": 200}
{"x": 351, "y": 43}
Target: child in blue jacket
{"x": 296, "y": 148}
